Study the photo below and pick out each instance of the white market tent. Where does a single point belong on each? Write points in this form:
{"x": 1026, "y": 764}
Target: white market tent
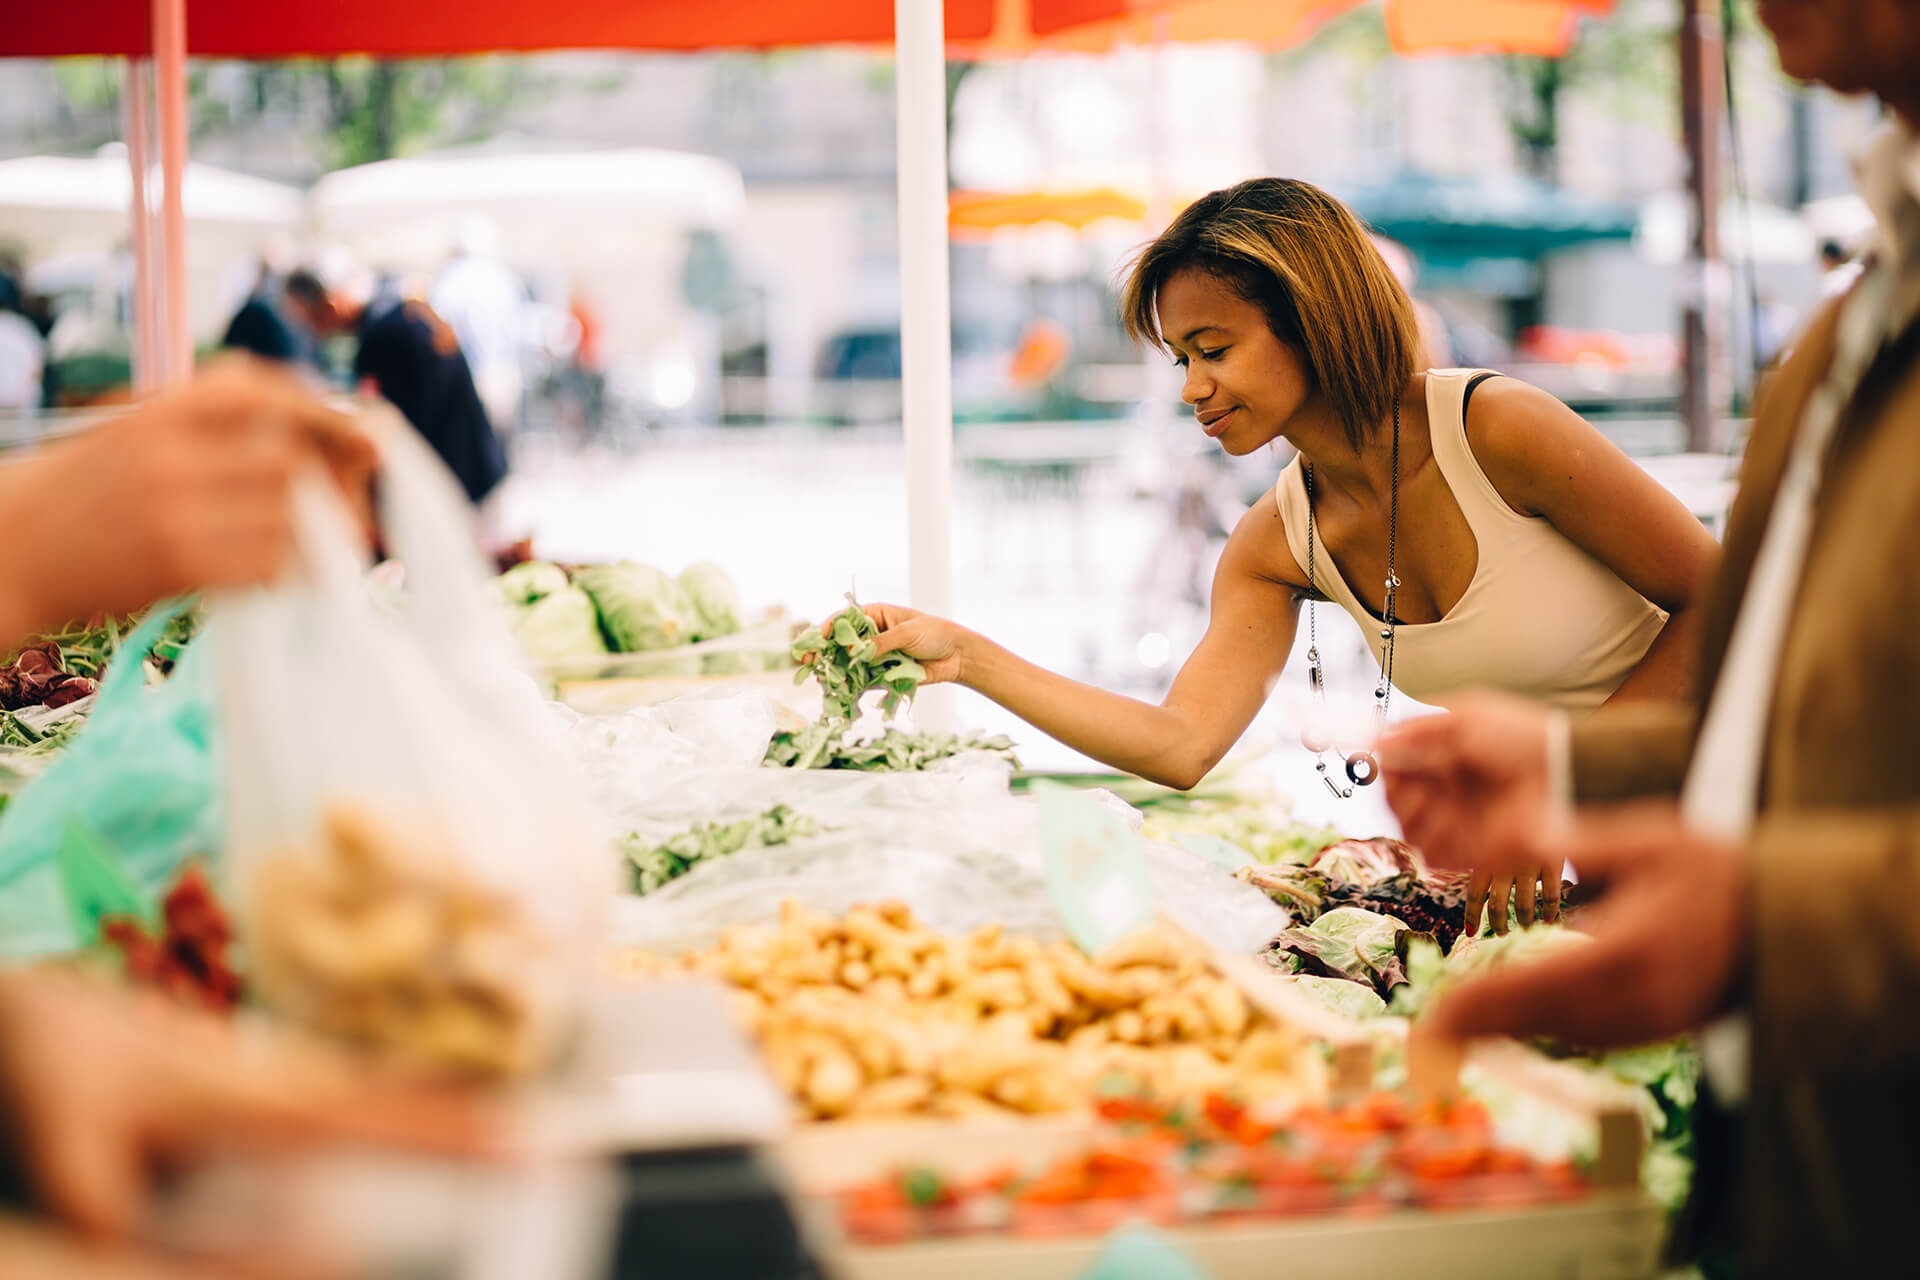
{"x": 68, "y": 210}
{"x": 61, "y": 204}
{"x": 569, "y": 207}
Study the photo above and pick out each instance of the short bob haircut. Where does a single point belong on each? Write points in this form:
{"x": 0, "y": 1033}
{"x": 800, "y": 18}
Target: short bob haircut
{"x": 1303, "y": 258}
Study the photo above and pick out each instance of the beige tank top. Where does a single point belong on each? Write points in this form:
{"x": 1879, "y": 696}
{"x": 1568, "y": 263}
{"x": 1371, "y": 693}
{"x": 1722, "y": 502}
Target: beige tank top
{"x": 1541, "y": 617}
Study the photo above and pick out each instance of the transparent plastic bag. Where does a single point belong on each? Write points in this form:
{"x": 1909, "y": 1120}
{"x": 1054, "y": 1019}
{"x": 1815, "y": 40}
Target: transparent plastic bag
{"x": 415, "y": 867}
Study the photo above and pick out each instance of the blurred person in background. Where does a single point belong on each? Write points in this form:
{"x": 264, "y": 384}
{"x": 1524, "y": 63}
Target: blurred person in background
{"x": 586, "y": 364}
{"x": 1763, "y": 888}
{"x": 485, "y": 304}
{"x": 261, "y": 328}
{"x": 414, "y": 359}
{"x": 23, "y": 357}
{"x": 1523, "y": 549}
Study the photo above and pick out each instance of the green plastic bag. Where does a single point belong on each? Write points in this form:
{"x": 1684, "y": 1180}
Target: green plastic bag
{"x": 1096, "y": 871}
{"x": 1139, "y": 1254}
{"x": 141, "y": 778}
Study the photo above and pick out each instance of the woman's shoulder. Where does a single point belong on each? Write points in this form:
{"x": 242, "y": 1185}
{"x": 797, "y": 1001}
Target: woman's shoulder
{"x": 1520, "y": 436}
{"x": 1261, "y": 545}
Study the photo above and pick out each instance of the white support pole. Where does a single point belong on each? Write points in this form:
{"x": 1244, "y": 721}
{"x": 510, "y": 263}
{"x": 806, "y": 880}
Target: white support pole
{"x": 926, "y": 338}
{"x": 135, "y": 84}
{"x": 170, "y": 93}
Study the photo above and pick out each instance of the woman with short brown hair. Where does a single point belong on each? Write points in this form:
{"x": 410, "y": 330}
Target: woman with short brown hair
{"x": 1480, "y": 532}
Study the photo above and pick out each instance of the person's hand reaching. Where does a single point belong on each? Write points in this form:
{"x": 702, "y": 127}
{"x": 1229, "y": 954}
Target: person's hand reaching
{"x": 189, "y": 490}
{"x": 1470, "y": 790}
{"x": 935, "y": 643}
{"x": 1669, "y": 946}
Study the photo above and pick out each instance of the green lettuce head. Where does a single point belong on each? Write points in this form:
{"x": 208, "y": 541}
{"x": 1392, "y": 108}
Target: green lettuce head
{"x": 562, "y": 624}
{"x": 535, "y": 580}
{"x": 715, "y": 600}
{"x": 641, "y": 608}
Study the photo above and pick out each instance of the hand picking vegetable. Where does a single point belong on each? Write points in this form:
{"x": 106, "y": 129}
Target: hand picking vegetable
{"x": 845, "y": 658}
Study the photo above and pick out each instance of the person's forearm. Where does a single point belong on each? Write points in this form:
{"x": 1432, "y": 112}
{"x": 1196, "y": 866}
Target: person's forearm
{"x": 1134, "y": 736}
{"x": 1667, "y": 669}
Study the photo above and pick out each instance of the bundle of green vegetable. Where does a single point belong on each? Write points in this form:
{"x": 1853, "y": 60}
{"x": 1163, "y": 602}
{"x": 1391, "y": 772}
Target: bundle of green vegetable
{"x": 844, "y": 656}
{"x": 20, "y": 734}
{"x": 846, "y": 659}
{"x": 819, "y": 746}
{"x": 654, "y": 865}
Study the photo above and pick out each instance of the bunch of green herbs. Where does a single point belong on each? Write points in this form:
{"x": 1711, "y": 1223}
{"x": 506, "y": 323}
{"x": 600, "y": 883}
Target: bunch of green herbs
{"x": 656, "y": 864}
{"x": 845, "y": 658}
{"x": 821, "y": 746}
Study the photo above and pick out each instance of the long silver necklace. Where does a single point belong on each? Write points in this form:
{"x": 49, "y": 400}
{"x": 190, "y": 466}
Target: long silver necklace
{"x": 1362, "y": 768}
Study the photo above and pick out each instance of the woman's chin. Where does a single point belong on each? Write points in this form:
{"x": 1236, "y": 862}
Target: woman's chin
{"x": 1239, "y": 444}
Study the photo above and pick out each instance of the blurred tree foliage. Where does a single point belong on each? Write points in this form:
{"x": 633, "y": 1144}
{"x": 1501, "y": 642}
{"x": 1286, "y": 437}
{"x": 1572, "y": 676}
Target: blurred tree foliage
{"x": 1627, "y": 61}
{"x": 356, "y": 109}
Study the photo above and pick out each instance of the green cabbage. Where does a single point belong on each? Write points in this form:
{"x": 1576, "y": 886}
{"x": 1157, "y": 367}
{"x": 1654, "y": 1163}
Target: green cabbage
{"x": 1347, "y": 942}
{"x": 561, "y": 625}
{"x": 641, "y": 608}
{"x": 535, "y": 580}
{"x": 1346, "y": 998}
{"x": 715, "y": 600}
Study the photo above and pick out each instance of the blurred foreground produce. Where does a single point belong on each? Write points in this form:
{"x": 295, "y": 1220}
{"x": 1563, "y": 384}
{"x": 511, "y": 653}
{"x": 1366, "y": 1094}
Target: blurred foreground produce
{"x": 1216, "y": 1160}
{"x": 381, "y": 936}
{"x": 873, "y": 1014}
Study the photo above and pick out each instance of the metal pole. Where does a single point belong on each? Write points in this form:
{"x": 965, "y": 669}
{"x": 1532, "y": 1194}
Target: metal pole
{"x": 926, "y": 324}
{"x": 1703, "y": 322}
{"x": 1800, "y": 121}
{"x": 170, "y": 92}
{"x": 145, "y": 317}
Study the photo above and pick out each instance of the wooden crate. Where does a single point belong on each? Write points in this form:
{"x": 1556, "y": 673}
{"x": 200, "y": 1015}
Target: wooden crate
{"x": 1608, "y": 1236}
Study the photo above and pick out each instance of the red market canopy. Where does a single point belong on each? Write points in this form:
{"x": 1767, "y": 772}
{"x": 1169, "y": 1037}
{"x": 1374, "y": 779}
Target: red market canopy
{"x": 232, "y": 29}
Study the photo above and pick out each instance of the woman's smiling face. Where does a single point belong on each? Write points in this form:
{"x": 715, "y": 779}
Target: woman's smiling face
{"x": 1243, "y": 382}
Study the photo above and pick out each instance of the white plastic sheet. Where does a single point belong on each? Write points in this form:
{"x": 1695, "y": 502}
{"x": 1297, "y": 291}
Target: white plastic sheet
{"x": 951, "y": 842}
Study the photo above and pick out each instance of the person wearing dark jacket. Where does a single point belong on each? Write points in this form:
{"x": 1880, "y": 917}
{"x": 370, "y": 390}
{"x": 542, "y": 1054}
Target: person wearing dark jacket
{"x": 414, "y": 360}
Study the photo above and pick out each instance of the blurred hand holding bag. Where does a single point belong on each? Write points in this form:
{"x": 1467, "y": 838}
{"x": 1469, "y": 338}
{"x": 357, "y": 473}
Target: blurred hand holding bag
{"x": 415, "y": 870}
